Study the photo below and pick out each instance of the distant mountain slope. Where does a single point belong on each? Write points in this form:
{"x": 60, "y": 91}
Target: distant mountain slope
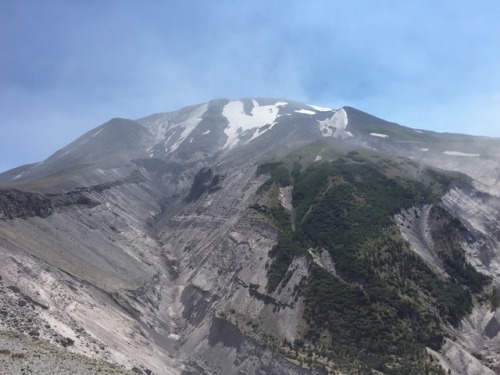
{"x": 196, "y": 134}
{"x": 259, "y": 236}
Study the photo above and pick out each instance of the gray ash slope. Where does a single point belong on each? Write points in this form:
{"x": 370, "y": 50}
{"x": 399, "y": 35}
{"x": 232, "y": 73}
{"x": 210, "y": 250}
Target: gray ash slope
{"x": 139, "y": 240}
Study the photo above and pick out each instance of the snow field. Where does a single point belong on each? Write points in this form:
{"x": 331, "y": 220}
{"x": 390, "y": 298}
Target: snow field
{"x": 335, "y": 126}
{"x": 380, "y": 135}
{"x": 240, "y": 122}
{"x": 458, "y": 153}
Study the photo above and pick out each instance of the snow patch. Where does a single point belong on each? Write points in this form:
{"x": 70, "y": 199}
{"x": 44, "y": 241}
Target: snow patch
{"x": 458, "y": 153}
{"x": 318, "y": 158}
{"x": 189, "y": 125}
{"x": 240, "y": 122}
{"x": 424, "y": 149}
{"x": 305, "y": 111}
{"x": 64, "y": 153}
{"x": 20, "y": 175}
{"x": 335, "y": 126}
{"x": 380, "y": 135}
{"x": 320, "y": 109}
{"x": 418, "y": 131}
{"x": 161, "y": 130}
{"x": 205, "y": 132}
{"x": 97, "y": 133}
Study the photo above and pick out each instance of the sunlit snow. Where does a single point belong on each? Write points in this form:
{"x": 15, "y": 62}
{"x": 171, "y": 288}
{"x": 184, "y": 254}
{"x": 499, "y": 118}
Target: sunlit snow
{"x": 305, "y": 111}
{"x": 159, "y": 128}
{"x": 458, "y": 153}
{"x": 167, "y": 140}
{"x": 190, "y": 124}
{"x": 335, "y": 126}
{"x": 424, "y": 149}
{"x": 320, "y": 109}
{"x": 240, "y": 122}
{"x": 380, "y": 135}
{"x": 97, "y": 133}
{"x": 20, "y": 175}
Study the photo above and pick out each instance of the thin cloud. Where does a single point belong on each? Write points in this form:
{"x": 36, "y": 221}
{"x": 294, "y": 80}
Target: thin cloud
{"x": 69, "y": 67}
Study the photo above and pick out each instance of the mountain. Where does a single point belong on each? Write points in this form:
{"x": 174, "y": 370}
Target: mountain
{"x": 258, "y": 236}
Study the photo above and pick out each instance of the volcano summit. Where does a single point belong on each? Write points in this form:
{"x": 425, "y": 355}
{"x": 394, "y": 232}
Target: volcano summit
{"x": 255, "y": 236}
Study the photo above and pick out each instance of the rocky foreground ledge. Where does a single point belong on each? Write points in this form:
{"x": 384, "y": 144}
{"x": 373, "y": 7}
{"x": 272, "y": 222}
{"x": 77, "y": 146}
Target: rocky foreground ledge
{"x": 20, "y": 354}
{"x": 24, "y": 351}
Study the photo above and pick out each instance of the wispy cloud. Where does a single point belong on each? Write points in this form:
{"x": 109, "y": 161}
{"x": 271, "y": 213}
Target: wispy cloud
{"x": 69, "y": 66}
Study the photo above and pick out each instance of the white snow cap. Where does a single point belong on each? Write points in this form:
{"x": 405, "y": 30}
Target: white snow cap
{"x": 189, "y": 125}
{"x": 240, "y": 122}
{"x": 320, "y": 109}
{"x": 305, "y": 111}
{"x": 336, "y": 125}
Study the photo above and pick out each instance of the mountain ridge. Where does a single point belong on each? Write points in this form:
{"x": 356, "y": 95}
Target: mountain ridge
{"x": 196, "y": 242}
{"x": 155, "y": 143}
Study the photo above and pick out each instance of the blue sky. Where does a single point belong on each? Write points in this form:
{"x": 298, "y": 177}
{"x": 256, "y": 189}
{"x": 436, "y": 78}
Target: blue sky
{"x": 69, "y": 66}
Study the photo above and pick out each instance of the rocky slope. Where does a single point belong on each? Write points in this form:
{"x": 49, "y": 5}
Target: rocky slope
{"x": 196, "y": 242}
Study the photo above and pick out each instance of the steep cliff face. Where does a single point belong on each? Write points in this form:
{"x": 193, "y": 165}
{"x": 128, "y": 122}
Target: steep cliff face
{"x": 258, "y": 236}
{"x": 14, "y": 203}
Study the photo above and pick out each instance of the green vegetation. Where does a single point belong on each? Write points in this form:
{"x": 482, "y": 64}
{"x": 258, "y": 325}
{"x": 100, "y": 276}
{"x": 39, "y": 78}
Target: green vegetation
{"x": 279, "y": 174}
{"x": 285, "y": 250}
{"x": 385, "y": 304}
{"x": 356, "y": 203}
{"x": 446, "y": 235}
{"x": 495, "y": 299}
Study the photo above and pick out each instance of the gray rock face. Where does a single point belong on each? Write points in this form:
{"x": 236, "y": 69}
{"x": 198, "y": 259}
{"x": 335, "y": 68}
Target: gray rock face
{"x": 18, "y": 204}
{"x": 136, "y": 245}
